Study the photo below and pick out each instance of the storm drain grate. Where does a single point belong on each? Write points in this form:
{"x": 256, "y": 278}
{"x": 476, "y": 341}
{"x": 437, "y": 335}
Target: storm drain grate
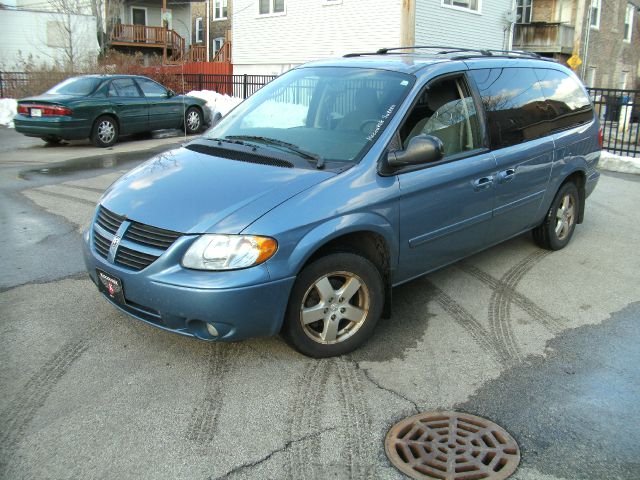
{"x": 451, "y": 446}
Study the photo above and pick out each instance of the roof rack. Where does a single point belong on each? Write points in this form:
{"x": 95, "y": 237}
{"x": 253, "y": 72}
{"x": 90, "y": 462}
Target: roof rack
{"x": 445, "y": 50}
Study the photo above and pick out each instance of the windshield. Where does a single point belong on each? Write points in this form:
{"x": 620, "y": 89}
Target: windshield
{"x": 332, "y": 113}
{"x": 76, "y": 86}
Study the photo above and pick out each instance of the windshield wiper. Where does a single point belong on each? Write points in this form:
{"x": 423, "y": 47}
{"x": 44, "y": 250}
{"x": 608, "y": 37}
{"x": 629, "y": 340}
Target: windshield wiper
{"x": 319, "y": 161}
{"x": 220, "y": 140}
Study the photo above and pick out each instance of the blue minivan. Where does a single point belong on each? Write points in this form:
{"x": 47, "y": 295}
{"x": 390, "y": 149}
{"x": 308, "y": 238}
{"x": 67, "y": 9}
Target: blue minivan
{"x": 339, "y": 180}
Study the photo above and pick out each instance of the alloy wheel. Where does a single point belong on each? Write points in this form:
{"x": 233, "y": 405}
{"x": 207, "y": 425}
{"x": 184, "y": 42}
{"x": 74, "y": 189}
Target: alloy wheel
{"x": 565, "y": 216}
{"x": 334, "y": 307}
{"x": 106, "y": 131}
{"x": 193, "y": 121}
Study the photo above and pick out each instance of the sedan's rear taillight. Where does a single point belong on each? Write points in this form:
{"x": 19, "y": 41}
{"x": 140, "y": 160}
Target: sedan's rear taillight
{"x": 44, "y": 110}
{"x": 600, "y": 138}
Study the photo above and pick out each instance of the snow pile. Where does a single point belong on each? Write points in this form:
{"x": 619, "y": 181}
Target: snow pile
{"x": 217, "y": 103}
{"x": 618, "y": 163}
{"x": 282, "y": 114}
{"x": 8, "y": 110}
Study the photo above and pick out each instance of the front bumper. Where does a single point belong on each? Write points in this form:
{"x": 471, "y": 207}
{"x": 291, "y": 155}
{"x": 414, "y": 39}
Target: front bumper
{"x": 66, "y": 128}
{"x": 239, "y": 304}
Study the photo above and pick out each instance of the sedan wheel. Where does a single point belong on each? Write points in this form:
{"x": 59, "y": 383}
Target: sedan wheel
{"x": 193, "y": 120}
{"x": 105, "y": 132}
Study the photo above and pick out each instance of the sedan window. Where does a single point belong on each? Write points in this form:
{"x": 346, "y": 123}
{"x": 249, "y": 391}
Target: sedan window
{"x": 151, "y": 89}
{"x": 123, "y": 87}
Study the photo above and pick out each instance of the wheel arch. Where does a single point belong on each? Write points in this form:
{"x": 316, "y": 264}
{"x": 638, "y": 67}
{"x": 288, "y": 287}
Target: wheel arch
{"x": 367, "y": 234}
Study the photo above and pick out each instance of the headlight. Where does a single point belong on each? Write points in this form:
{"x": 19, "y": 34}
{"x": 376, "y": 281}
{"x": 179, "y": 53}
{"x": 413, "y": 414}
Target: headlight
{"x": 228, "y": 252}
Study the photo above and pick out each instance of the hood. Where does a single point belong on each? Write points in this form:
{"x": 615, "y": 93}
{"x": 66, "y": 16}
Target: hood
{"x": 191, "y": 192}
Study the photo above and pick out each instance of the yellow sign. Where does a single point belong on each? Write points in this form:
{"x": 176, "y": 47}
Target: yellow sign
{"x": 574, "y": 61}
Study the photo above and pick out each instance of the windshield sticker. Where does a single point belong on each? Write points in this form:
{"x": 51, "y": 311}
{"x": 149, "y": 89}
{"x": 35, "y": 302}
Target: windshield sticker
{"x": 404, "y": 83}
{"x": 386, "y": 115}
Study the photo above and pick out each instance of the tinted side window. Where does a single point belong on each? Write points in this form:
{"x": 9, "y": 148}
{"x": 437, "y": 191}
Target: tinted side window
{"x": 568, "y": 105}
{"x": 515, "y": 105}
{"x": 123, "y": 87}
{"x": 151, "y": 89}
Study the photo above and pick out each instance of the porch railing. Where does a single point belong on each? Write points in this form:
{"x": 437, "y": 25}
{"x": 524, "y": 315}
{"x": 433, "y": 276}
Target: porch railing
{"x": 144, "y": 35}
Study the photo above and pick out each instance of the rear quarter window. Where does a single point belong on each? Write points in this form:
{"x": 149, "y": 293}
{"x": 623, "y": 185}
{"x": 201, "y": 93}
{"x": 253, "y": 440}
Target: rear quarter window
{"x": 568, "y": 105}
{"x": 514, "y": 103}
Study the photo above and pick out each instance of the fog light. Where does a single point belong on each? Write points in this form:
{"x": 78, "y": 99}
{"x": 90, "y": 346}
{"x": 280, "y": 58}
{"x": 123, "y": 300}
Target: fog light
{"x": 212, "y": 330}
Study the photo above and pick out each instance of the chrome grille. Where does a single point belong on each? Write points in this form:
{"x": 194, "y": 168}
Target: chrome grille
{"x": 151, "y": 236}
{"x": 140, "y": 246}
{"x": 109, "y": 220}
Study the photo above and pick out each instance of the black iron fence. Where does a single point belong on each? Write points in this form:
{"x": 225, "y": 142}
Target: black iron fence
{"x": 619, "y": 113}
{"x": 618, "y": 110}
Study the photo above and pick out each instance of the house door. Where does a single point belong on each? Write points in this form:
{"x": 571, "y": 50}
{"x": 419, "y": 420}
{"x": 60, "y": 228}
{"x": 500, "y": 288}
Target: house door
{"x": 138, "y": 16}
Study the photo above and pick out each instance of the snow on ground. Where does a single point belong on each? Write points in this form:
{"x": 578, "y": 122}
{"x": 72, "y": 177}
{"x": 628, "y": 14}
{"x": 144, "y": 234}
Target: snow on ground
{"x": 618, "y": 163}
{"x": 282, "y": 114}
{"x": 217, "y": 103}
{"x": 8, "y": 110}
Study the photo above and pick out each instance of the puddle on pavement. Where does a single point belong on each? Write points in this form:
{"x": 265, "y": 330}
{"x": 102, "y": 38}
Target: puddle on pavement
{"x": 109, "y": 161}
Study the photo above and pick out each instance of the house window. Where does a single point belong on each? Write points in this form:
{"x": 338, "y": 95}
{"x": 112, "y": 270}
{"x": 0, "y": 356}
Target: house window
{"x": 596, "y": 7}
{"x": 473, "y": 5}
{"x": 628, "y": 23}
{"x": 271, "y": 7}
{"x": 139, "y": 15}
{"x": 217, "y": 43}
{"x": 199, "y": 30}
{"x": 523, "y": 10}
{"x": 220, "y": 10}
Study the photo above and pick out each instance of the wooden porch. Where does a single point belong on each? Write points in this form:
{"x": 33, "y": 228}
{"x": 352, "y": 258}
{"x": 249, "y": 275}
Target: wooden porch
{"x": 161, "y": 38}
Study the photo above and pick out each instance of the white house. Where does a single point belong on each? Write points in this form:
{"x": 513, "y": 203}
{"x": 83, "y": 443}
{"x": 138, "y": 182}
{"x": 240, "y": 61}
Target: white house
{"x": 47, "y": 32}
{"x": 272, "y": 36}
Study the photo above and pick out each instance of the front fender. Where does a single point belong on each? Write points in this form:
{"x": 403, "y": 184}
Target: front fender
{"x": 291, "y": 256}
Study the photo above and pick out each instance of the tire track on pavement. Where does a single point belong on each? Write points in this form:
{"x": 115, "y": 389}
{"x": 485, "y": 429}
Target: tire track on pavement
{"x": 499, "y": 311}
{"x": 32, "y": 396}
{"x": 356, "y": 420}
{"x": 203, "y": 421}
{"x": 305, "y": 417}
{"x": 554, "y": 324}
{"x": 462, "y": 317}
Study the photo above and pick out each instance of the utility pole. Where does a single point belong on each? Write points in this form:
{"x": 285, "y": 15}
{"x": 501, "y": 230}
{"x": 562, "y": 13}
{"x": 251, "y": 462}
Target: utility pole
{"x": 408, "y": 23}
{"x": 165, "y": 31}
{"x": 207, "y": 6}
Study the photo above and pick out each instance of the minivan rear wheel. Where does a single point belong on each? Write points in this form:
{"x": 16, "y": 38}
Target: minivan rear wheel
{"x": 334, "y": 305}
{"x": 558, "y": 226}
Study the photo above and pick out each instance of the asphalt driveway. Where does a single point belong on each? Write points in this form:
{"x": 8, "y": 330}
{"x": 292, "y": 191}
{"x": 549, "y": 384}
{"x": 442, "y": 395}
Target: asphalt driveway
{"x": 545, "y": 344}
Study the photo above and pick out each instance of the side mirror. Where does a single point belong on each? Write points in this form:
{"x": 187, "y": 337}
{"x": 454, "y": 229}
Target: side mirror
{"x": 170, "y": 93}
{"x": 421, "y": 149}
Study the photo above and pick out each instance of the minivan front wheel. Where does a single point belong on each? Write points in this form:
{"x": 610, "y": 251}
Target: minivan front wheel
{"x": 334, "y": 306}
{"x": 560, "y": 222}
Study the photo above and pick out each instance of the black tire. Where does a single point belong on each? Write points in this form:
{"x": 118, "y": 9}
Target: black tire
{"x": 193, "y": 120}
{"x": 365, "y": 304}
{"x": 51, "y": 139}
{"x": 546, "y": 234}
{"x": 104, "y": 132}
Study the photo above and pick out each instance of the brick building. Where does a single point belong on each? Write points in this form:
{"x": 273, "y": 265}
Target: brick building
{"x": 219, "y": 24}
{"x": 605, "y": 34}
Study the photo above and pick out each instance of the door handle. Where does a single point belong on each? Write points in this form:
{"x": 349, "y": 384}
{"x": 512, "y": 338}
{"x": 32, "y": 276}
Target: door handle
{"x": 119, "y": 104}
{"x": 506, "y": 175}
{"x": 482, "y": 183}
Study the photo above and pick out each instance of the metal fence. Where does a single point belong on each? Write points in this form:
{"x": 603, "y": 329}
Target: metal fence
{"x": 23, "y": 84}
{"x": 619, "y": 113}
{"x": 618, "y": 110}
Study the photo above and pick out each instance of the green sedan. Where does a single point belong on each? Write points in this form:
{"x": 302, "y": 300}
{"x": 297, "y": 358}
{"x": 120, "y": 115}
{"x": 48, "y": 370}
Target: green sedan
{"x": 103, "y": 107}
